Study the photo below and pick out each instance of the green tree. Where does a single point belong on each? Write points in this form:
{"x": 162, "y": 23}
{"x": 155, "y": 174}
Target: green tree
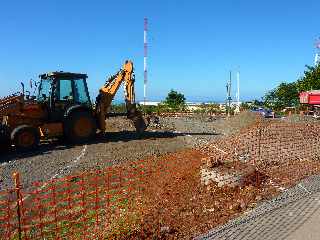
{"x": 244, "y": 106}
{"x": 310, "y": 80}
{"x": 285, "y": 95}
{"x": 118, "y": 108}
{"x": 175, "y": 100}
{"x": 257, "y": 103}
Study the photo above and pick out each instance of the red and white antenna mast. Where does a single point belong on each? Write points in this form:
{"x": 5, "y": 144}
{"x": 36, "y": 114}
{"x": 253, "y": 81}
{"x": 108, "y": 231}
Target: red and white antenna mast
{"x": 145, "y": 73}
{"x": 317, "y": 57}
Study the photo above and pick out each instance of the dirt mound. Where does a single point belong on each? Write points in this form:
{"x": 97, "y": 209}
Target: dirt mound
{"x": 235, "y": 123}
{"x": 297, "y": 118}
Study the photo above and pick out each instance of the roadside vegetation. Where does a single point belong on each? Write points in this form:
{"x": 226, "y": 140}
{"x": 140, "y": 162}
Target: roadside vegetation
{"x": 176, "y": 102}
{"x": 287, "y": 94}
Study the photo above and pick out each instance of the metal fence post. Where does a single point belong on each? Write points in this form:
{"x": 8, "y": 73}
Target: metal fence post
{"x": 16, "y": 179}
{"x": 259, "y": 143}
{"x": 259, "y": 155}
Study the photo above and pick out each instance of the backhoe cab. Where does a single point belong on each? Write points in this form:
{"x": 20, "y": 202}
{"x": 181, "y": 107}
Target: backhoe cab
{"x": 63, "y": 108}
{"x": 61, "y": 91}
{"x": 65, "y": 98}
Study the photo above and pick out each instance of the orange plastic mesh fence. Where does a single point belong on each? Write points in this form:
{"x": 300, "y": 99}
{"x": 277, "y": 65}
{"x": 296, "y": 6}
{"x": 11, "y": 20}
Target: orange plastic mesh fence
{"x": 71, "y": 207}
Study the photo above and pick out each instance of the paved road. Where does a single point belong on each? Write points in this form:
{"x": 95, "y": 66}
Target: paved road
{"x": 294, "y": 215}
{"x": 309, "y": 230}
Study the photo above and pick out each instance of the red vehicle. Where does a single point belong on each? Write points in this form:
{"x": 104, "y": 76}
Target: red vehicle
{"x": 312, "y": 100}
{"x": 310, "y": 97}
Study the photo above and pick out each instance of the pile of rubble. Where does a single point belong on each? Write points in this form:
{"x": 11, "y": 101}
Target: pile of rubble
{"x": 231, "y": 175}
{"x": 272, "y": 148}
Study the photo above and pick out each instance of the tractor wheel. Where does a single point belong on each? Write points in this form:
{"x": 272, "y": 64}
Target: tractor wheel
{"x": 4, "y": 139}
{"x": 25, "y": 138}
{"x": 4, "y": 144}
{"x": 80, "y": 127}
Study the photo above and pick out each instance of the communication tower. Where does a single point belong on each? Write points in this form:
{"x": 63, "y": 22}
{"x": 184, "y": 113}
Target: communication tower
{"x": 317, "y": 56}
{"x": 145, "y": 72}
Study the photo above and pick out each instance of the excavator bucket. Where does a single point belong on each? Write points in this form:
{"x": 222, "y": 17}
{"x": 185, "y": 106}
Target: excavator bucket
{"x": 139, "y": 123}
{"x": 136, "y": 117}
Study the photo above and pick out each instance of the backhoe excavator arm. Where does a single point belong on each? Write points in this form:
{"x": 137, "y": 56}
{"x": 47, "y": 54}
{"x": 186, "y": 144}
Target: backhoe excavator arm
{"x": 109, "y": 90}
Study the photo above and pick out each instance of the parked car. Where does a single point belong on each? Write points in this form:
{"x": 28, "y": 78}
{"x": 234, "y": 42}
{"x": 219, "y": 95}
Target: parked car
{"x": 267, "y": 113}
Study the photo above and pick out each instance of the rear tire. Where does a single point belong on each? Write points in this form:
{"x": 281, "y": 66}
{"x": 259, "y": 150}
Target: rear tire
{"x": 25, "y": 138}
{"x": 80, "y": 127}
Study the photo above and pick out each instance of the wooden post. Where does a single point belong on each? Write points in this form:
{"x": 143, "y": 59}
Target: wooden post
{"x": 259, "y": 155}
{"x": 16, "y": 179}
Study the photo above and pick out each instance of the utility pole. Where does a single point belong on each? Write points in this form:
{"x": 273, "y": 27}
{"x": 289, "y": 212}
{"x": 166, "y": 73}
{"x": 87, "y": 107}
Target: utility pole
{"x": 238, "y": 90}
{"x": 228, "y": 107}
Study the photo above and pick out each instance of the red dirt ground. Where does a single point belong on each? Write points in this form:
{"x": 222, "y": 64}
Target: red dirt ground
{"x": 176, "y": 204}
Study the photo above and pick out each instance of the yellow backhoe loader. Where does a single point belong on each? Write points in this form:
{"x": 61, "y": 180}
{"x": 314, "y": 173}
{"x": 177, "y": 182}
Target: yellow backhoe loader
{"x": 63, "y": 108}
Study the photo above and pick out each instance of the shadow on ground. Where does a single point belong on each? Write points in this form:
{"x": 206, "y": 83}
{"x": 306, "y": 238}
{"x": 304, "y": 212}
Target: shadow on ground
{"x": 46, "y": 147}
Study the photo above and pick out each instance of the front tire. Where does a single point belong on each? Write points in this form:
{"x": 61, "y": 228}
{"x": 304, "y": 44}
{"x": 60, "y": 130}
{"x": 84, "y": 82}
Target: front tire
{"x": 25, "y": 138}
{"x": 80, "y": 127}
{"x": 4, "y": 144}
{"x": 4, "y": 138}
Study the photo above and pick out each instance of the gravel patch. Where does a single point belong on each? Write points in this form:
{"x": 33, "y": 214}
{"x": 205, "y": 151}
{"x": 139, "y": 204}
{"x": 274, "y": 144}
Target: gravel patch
{"x": 120, "y": 144}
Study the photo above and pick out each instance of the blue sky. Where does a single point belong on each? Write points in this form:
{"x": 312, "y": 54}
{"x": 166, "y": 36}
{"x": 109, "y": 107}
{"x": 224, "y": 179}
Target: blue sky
{"x": 192, "y": 44}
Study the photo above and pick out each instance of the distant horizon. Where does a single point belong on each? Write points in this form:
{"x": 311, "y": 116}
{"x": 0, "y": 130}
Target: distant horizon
{"x": 193, "y": 100}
